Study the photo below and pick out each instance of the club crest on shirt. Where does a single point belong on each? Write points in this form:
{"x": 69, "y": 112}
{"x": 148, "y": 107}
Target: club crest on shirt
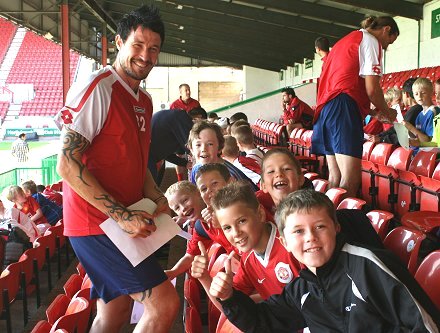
{"x": 283, "y": 272}
{"x": 138, "y": 109}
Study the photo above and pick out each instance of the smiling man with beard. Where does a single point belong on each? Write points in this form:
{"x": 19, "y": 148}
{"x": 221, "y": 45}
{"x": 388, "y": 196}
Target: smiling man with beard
{"x": 103, "y": 162}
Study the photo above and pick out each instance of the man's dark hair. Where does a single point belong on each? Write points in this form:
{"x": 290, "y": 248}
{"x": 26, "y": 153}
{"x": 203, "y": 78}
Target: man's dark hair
{"x": 22, "y": 135}
{"x": 407, "y": 86}
{"x": 289, "y": 91}
{"x": 41, "y": 188}
{"x": 198, "y": 112}
{"x": 147, "y": 17}
{"x": 376, "y": 23}
{"x": 238, "y": 116}
{"x": 322, "y": 43}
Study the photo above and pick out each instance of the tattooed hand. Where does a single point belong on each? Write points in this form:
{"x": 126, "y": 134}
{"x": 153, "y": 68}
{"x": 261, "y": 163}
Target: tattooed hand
{"x": 136, "y": 223}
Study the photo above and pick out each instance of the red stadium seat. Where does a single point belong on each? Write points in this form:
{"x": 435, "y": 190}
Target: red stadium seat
{"x": 42, "y": 327}
{"x": 72, "y": 285}
{"x": 48, "y": 245}
{"x": 193, "y": 324}
{"x": 57, "y": 308}
{"x": 387, "y": 175}
{"x": 428, "y": 276}
{"x": 213, "y": 253}
{"x": 380, "y": 220}
{"x": 405, "y": 243}
{"x": 311, "y": 175}
{"x": 425, "y": 221}
{"x": 335, "y": 195}
{"x": 320, "y": 185}
{"x": 429, "y": 191}
{"x": 367, "y": 148}
{"x": 191, "y": 292}
{"x": 351, "y": 203}
{"x": 78, "y": 310}
{"x": 9, "y": 286}
{"x": 225, "y": 326}
{"x": 423, "y": 164}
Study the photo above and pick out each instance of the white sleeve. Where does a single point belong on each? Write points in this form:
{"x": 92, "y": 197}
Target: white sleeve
{"x": 87, "y": 107}
{"x": 370, "y": 55}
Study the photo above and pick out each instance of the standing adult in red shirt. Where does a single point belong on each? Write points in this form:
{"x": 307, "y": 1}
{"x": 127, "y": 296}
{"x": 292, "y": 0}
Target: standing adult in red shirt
{"x": 349, "y": 82}
{"x": 185, "y": 102}
{"x": 103, "y": 161}
{"x": 296, "y": 113}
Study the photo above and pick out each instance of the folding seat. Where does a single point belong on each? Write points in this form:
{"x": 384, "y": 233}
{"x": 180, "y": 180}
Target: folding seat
{"x": 191, "y": 293}
{"x": 60, "y": 241}
{"x": 423, "y": 164}
{"x": 292, "y": 146}
{"x": 9, "y": 286}
{"x": 48, "y": 244}
{"x": 405, "y": 243}
{"x": 42, "y": 327}
{"x": 311, "y": 175}
{"x": 429, "y": 191}
{"x": 387, "y": 175}
{"x": 367, "y": 148}
{"x": 80, "y": 269}
{"x": 379, "y": 156}
{"x": 335, "y": 194}
{"x": 57, "y": 308}
{"x": 297, "y": 141}
{"x": 193, "y": 323}
{"x": 351, "y": 203}
{"x": 280, "y": 135}
{"x": 72, "y": 285}
{"x": 320, "y": 185}
{"x": 77, "y": 311}
{"x": 425, "y": 221}
{"x": 214, "y": 252}
{"x": 38, "y": 258}
{"x": 428, "y": 276}
{"x": 380, "y": 220}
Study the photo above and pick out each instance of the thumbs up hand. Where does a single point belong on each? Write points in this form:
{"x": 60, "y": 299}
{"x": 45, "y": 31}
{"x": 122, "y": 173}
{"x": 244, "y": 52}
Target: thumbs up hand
{"x": 221, "y": 286}
{"x": 199, "y": 266}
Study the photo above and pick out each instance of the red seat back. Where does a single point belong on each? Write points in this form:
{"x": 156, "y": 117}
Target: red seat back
{"x": 423, "y": 163}
{"x": 351, "y": 203}
{"x": 400, "y": 158}
{"x": 405, "y": 243}
{"x": 380, "y": 220}
{"x": 381, "y": 153}
{"x": 428, "y": 276}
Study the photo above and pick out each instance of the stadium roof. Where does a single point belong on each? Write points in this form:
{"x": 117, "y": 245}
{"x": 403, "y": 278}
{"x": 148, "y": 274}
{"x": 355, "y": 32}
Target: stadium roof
{"x": 267, "y": 34}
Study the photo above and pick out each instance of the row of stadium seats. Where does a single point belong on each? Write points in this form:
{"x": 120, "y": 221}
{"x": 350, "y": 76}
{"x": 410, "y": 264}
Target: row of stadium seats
{"x": 21, "y": 279}
{"x": 394, "y": 181}
{"x": 72, "y": 310}
{"x": 269, "y": 133}
{"x": 4, "y": 106}
{"x": 8, "y": 30}
{"x": 397, "y": 79}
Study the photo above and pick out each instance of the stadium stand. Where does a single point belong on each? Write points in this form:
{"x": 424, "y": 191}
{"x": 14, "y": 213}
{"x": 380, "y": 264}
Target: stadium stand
{"x": 8, "y": 30}
{"x": 39, "y": 62}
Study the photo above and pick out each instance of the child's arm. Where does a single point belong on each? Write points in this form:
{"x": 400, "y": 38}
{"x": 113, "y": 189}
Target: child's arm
{"x": 38, "y": 214}
{"x": 420, "y": 135}
{"x": 277, "y": 314}
{"x": 180, "y": 267}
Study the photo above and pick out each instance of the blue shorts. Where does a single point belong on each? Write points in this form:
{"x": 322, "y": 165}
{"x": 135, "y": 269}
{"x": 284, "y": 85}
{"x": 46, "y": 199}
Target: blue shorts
{"x": 112, "y": 275}
{"x": 339, "y": 129}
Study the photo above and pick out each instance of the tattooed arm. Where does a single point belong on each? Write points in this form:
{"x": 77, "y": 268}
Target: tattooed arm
{"x": 75, "y": 173}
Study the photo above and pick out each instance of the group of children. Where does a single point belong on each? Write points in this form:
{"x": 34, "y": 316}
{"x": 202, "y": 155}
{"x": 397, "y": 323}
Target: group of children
{"x": 300, "y": 272}
{"x": 416, "y": 110}
{"x": 32, "y": 211}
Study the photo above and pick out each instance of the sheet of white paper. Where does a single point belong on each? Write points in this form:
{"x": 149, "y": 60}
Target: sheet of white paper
{"x": 184, "y": 234}
{"x": 402, "y": 135}
{"x": 138, "y": 308}
{"x": 138, "y": 249}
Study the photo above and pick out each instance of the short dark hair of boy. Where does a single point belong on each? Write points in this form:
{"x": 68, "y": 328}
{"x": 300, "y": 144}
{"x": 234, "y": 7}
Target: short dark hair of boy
{"x": 302, "y": 201}
{"x": 210, "y": 167}
{"x": 238, "y": 116}
{"x": 284, "y": 152}
{"x": 198, "y": 112}
{"x": 407, "y": 86}
{"x": 230, "y": 149}
{"x": 22, "y": 135}
{"x": 244, "y": 135}
{"x": 236, "y": 192}
{"x": 41, "y": 188}
{"x": 194, "y": 134}
{"x": 184, "y": 85}
{"x": 147, "y": 17}
{"x": 239, "y": 123}
{"x": 30, "y": 186}
{"x": 212, "y": 115}
{"x": 322, "y": 43}
{"x": 289, "y": 91}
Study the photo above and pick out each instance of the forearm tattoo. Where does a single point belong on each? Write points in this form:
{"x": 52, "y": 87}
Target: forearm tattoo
{"x": 117, "y": 212}
{"x": 144, "y": 295}
{"x": 75, "y": 143}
